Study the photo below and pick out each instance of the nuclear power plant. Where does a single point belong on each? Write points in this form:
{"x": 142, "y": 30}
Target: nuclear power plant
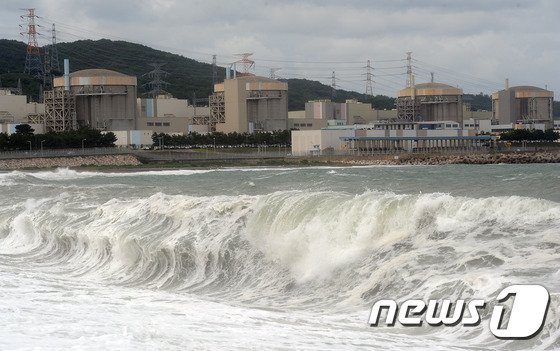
{"x": 104, "y": 99}
{"x": 430, "y": 102}
{"x": 246, "y": 103}
{"x": 250, "y": 103}
{"x": 523, "y": 104}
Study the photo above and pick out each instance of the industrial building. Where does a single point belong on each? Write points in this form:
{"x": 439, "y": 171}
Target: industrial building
{"x": 322, "y": 113}
{"x": 386, "y": 136}
{"x": 523, "y": 104}
{"x": 104, "y": 99}
{"x": 248, "y": 103}
{"x": 430, "y": 102}
{"x": 166, "y": 114}
{"x": 14, "y": 108}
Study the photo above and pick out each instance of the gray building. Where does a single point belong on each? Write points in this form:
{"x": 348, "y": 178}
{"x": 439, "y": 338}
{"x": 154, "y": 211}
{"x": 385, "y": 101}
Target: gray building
{"x": 105, "y": 99}
{"x": 523, "y": 104}
{"x": 430, "y": 102}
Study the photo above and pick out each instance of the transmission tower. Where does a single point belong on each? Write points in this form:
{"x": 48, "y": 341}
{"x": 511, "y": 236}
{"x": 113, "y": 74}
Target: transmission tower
{"x": 33, "y": 64}
{"x": 55, "y": 66}
{"x": 333, "y": 86}
{"x": 432, "y": 77}
{"x": 409, "y": 78}
{"x": 369, "y": 75}
{"x": 247, "y": 63}
{"x": 214, "y": 71}
{"x": 156, "y": 84}
{"x": 272, "y": 74}
{"x": 47, "y": 69}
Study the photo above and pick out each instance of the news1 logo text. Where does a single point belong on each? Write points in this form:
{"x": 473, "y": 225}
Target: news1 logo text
{"x": 526, "y": 317}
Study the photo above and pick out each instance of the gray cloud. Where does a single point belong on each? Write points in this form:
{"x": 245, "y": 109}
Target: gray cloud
{"x": 474, "y": 44}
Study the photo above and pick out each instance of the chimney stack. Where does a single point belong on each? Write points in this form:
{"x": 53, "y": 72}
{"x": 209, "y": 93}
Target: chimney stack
{"x": 66, "y": 74}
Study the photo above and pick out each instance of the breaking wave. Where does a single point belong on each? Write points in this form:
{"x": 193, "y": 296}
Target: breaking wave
{"x": 293, "y": 249}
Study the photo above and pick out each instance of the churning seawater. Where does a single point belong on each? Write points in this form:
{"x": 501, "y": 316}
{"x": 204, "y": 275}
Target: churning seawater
{"x": 270, "y": 258}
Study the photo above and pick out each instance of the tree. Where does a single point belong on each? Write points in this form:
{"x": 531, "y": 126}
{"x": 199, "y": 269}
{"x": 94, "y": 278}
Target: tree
{"x": 24, "y": 129}
{"x": 530, "y": 135}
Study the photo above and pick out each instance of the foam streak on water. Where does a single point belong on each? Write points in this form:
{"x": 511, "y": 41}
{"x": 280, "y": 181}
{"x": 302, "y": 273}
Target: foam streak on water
{"x": 269, "y": 257}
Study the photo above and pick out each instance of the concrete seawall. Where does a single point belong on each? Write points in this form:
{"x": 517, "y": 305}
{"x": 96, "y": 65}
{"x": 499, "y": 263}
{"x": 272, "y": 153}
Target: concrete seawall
{"x": 71, "y": 161}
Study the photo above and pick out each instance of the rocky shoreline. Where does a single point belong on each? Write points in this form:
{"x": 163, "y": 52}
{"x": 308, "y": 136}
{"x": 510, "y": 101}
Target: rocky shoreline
{"x": 72, "y": 161}
{"x": 443, "y": 159}
{"x": 132, "y": 162}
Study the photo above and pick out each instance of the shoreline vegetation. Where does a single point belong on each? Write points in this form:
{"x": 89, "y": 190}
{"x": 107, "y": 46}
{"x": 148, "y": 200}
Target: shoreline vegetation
{"x": 132, "y": 162}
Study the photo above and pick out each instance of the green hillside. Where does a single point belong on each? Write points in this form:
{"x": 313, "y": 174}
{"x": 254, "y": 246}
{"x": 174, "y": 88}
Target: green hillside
{"x": 12, "y": 62}
{"x": 186, "y": 76}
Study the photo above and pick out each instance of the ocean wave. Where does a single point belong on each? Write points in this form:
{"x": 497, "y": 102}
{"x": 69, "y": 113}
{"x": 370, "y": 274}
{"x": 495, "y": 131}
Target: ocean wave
{"x": 292, "y": 249}
{"x": 290, "y": 240}
{"x": 63, "y": 174}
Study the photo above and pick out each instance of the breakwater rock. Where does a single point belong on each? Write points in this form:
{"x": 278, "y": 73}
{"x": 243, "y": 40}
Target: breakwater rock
{"x": 73, "y": 161}
{"x": 443, "y": 159}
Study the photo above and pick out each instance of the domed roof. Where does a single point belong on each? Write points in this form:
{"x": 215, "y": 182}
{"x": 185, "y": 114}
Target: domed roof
{"x": 97, "y": 72}
{"x": 525, "y": 91}
{"x": 527, "y": 88}
{"x": 434, "y": 86}
{"x": 430, "y": 89}
{"x": 96, "y": 76}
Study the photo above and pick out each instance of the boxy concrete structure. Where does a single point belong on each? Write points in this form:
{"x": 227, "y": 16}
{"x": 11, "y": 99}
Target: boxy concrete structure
{"x": 249, "y": 103}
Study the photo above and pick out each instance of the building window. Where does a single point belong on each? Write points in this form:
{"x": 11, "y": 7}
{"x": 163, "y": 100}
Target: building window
{"x": 158, "y": 124}
{"x": 166, "y": 124}
{"x": 309, "y": 125}
{"x": 150, "y": 124}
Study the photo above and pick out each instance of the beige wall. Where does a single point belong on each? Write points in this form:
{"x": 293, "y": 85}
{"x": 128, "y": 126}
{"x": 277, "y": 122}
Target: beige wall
{"x": 359, "y": 113}
{"x": 199, "y": 128}
{"x": 235, "y": 107}
{"x": 133, "y": 137}
{"x": 17, "y": 107}
{"x": 477, "y": 114}
{"x": 306, "y": 123}
{"x": 307, "y": 142}
{"x": 165, "y": 124}
{"x": 352, "y": 111}
{"x": 296, "y": 114}
{"x": 167, "y": 115}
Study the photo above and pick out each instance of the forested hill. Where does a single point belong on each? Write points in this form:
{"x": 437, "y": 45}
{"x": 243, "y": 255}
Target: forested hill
{"x": 186, "y": 76}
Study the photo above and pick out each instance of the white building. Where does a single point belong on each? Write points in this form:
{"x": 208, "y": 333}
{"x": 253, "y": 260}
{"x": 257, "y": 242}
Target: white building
{"x": 385, "y": 137}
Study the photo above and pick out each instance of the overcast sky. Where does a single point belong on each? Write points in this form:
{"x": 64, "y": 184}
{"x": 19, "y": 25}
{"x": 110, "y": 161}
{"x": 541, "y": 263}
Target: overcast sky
{"x": 473, "y": 44}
